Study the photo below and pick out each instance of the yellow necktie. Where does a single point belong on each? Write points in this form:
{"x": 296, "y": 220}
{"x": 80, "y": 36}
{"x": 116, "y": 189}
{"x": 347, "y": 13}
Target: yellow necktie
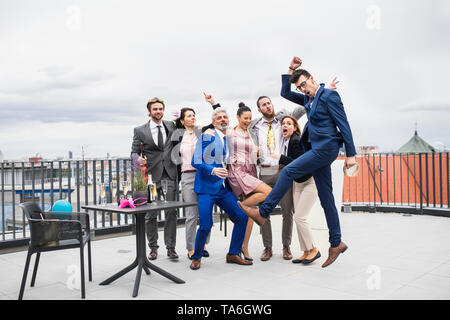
{"x": 270, "y": 138}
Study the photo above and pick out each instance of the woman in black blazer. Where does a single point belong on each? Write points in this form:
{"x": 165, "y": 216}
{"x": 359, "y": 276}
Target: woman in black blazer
{"x": 305, "y": 191}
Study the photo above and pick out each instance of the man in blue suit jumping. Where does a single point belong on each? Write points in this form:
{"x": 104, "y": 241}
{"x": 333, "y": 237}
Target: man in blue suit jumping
{"x": 328, "y": 128}
{"x": 209, "y": 158}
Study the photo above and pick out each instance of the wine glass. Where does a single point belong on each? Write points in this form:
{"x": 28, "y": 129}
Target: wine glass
{"x": 164, "y": 186}
{"x": 124, "y": 186}
{"x": 129, "y": 189}
{"x": 113, "y": 191}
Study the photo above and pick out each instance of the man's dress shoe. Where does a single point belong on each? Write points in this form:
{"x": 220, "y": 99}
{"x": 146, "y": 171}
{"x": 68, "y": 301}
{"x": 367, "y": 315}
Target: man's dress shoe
{"x": 172, "y": 254}
{"x": 253, "y": 213}
{"x": 333, "y": 253}
{"x": 235, "y": 258}
{"x": 267, "y": 253}
{"x": 153, "y": 254}
{"x": 195, "y": 264}
{"x": 287, "y": 255}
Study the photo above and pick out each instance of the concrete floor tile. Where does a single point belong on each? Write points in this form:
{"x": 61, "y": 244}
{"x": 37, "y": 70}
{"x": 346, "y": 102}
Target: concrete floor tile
{"x": 441, "y": 270}
{"x": 385, "y": 260}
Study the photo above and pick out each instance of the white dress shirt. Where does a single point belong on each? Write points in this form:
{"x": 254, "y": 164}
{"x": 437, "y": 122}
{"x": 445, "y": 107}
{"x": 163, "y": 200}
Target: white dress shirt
{"x": 263, "y": 131}
{"x": 154, "y": 131}
{"x": 221, "y": 135}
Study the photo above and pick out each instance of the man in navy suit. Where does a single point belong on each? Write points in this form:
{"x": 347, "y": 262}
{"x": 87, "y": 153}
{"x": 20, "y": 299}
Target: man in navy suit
{"x": 328, "y": 128}
{"x": 210, "y": 154}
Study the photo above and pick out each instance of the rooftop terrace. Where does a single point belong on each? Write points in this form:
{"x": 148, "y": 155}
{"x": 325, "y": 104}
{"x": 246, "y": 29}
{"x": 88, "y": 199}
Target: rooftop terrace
{"x": 390, "y": 256}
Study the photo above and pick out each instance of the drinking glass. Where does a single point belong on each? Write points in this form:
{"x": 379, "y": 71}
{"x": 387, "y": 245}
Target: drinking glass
{"x": 103, "y": 194}
{"x": 124, "y": 187}
{"x": 113, "y": 191}
{"x": 164, "y": 186}
{"x": 129, "y": 189}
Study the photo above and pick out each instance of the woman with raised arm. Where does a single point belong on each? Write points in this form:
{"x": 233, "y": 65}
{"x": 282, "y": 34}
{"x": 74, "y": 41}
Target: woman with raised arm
{"x": 188, "y": 136}
{"x": 242, "y": 174}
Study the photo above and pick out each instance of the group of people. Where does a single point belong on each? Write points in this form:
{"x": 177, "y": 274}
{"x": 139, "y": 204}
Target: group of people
{"x": 249, "y": 169}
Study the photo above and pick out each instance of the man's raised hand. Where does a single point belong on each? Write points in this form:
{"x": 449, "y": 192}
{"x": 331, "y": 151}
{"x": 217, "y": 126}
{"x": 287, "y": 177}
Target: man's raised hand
{"x": 295, "y": 63}
{"x": 333, "y": 84}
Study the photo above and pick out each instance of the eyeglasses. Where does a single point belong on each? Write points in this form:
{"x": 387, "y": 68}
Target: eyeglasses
{"x": 156, "y": 100}
{"x": 302, "y": 85}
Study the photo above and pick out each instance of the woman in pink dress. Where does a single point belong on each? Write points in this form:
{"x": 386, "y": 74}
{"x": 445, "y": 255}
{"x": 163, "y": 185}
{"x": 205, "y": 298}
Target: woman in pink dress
{"x": 242, "y": 174}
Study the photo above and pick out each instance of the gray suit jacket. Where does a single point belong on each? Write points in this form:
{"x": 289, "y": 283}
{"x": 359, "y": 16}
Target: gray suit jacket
{"x": 253, "y": 129}
{"x": 157, "y": 159}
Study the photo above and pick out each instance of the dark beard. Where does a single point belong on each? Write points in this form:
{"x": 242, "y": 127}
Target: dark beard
{"x": 156, "y": 119}
{"x": 268, "y": 115}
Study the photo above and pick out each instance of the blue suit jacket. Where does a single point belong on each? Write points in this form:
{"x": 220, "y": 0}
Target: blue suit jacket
{"x": 209, "y": 153}
{"x": 328, "y": 125}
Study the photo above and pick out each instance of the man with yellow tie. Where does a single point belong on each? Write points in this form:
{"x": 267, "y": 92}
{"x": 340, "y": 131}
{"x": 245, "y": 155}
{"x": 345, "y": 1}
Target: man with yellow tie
{"x": 266, "y": 133}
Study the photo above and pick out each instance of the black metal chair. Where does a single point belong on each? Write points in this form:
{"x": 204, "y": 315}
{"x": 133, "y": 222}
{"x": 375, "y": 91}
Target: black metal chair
{"x": 48, "y": 233}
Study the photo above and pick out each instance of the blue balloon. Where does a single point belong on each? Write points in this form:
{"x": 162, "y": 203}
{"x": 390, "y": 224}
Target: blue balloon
{"x": 62, "y": 206}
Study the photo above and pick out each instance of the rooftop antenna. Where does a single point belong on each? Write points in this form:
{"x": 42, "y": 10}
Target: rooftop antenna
{"x": 415, "y": 125}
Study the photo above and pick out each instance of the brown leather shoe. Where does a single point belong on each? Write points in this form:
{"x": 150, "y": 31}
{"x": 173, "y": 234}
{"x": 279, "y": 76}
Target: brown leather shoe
{"x": 333, "y": 253}
{"x": 253, "y": 213}
{"x": 153, "y": 254}
{"x": 287, "y": 255}
{"x": 172, "y": 254}
{"x": 195, "y": 264}
{"x": 267, "y": 253}
{"x": 235, "y": 258}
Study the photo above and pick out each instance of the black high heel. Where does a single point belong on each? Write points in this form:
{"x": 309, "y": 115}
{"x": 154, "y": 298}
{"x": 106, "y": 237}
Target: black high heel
{"x": 248, "y": 259}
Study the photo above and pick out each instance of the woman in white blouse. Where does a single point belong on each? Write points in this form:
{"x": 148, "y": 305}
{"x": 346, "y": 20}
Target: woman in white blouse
{"x": 188, "y": 136}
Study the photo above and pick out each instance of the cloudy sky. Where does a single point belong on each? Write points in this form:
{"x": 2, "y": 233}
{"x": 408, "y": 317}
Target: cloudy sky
{"x": 78, "y": 73}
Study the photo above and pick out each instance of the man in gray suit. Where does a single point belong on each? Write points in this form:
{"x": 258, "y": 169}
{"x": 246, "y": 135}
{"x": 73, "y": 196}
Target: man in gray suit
{"x": 152, "y": 146}
{"x": 266, "y": 133}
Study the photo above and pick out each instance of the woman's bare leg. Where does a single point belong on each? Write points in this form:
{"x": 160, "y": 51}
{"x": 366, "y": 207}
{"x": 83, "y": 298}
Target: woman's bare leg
{"x": 248, "y": 232}
{"x": 257, "y": 196}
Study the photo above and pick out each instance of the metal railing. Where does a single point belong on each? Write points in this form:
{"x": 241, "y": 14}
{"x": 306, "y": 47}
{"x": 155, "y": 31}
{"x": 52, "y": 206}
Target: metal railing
{"x": 72, "y": 180}
{"x": 410, "y": 183}
{"x": 414, "y": 183}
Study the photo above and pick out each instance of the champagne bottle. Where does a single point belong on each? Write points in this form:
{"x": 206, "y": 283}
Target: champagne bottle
{"x": 149, "y": 187}
{"x": 154, "y": 192}
{"x": 143, "y": 167}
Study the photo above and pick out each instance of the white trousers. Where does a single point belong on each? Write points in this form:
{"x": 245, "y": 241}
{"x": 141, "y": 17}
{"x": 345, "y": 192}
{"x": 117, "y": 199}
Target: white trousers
{"x": 305, "y": 195}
